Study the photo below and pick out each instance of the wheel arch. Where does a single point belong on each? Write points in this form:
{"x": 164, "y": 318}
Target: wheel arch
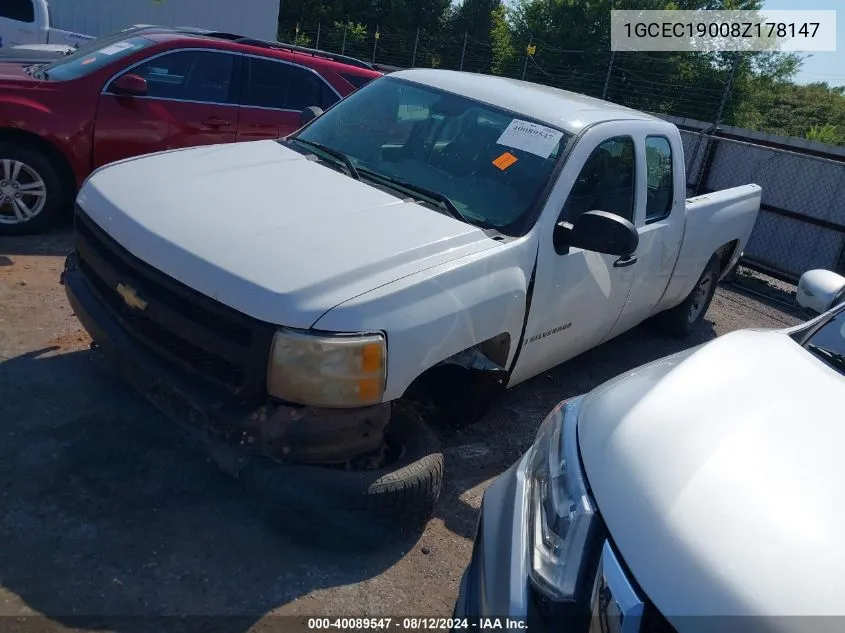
{"x": 49, "y": 149}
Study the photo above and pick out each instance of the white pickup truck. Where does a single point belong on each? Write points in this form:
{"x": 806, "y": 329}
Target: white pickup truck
{"x": 436, "y": 235}
{"x": 27, "y": 23}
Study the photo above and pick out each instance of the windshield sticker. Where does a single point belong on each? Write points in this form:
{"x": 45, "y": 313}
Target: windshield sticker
{"x": 89, "y": 60}
{"x": 118, "y": 47}
{"x": 530, "y": 137}
{"x": 505, "y": 160}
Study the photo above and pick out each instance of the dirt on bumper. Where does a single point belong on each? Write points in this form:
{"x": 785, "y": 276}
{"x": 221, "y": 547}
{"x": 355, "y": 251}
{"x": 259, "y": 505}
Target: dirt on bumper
{"x": 230, "y": 430}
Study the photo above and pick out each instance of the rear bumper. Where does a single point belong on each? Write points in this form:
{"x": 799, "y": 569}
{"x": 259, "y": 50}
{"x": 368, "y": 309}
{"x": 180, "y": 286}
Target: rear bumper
{"x": 230, "y": 430}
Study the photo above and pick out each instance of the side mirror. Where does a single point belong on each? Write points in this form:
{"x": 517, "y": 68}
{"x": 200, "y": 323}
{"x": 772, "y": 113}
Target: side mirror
{"x": 820, "y": 290}
{"x": 598, "y": 231}
{"x": 129, "y": 85}
{"x": 309, "y": 114}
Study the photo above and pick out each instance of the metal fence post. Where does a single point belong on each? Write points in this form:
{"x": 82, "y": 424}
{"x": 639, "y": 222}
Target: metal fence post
{"x": 317, "y": 44}
{"x": 416, "y": 43}
{"x": 343, "y": 45}
{"x": 464, "y": 50}
{"x": 607, "y": 76}
{"x": 709, "y": 137}
{"x": 375, "y": 45}
{"x": 728, "y": 87}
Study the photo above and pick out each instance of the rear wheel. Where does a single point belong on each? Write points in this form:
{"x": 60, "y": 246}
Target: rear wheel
{"x": 681, "y": 320}
{"x": 31, "y": 192}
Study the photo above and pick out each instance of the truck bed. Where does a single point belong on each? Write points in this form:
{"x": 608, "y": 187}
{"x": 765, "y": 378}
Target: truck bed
{"x": 713, "y": 220}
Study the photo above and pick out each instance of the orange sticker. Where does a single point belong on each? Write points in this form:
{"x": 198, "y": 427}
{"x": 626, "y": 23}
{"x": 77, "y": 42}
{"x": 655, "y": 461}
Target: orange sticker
{"x": 505, "y": 160}
{"x": 89, "y": 60}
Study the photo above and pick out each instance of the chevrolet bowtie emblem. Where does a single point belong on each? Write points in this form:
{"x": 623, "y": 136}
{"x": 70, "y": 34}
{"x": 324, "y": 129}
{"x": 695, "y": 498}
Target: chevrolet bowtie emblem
{"x": 131, "y": 297}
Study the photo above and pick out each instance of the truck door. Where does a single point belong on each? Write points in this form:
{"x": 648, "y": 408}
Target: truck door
{"x": 18, "y": 24}
{"x": 578, "y": 295}
{"x": 659, "y": 221}
{"x": 191, "y": 100}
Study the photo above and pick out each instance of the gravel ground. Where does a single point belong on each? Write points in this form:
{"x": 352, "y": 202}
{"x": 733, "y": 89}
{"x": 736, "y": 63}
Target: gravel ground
{"x": 105, "y": 514}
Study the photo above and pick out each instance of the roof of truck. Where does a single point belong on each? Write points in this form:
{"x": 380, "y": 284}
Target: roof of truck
{"x": 567, "y": 110}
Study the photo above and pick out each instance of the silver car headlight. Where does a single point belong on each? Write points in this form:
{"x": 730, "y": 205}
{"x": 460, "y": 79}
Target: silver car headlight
{"x": 327, "y": 370}
{"x": 560, "y": 513}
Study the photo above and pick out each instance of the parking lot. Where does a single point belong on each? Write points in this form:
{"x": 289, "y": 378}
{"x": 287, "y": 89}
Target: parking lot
{"x": 104, "y": 514}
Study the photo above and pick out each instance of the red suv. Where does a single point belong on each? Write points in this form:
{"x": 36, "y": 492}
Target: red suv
{"x": 159, "y": 90}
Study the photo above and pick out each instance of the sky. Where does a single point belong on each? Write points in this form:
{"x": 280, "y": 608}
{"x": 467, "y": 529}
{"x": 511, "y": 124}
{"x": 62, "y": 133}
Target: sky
{"x": 829, "y": 67}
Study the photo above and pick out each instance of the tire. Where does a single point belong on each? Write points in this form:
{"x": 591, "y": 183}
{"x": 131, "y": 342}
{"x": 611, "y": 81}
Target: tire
{"x": 27, "y": 167}
{"x": 354, "y": 510}
{"x": 680, "y": 321}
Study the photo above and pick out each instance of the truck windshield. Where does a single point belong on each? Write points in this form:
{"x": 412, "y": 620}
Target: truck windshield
{"x": 84, "y": 62}
{"x": 828, "y": 342}
{"x": 490, "y": 163}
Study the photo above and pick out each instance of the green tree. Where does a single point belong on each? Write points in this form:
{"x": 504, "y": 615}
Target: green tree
{"x": 501, "y": 36}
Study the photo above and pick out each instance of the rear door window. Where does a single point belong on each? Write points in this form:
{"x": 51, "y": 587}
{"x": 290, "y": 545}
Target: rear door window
{"x": 658, "y": 156}
{"x": 265, "y": 83}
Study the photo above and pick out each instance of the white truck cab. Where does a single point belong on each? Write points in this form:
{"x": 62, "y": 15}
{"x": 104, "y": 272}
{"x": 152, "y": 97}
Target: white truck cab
{"x": 27, "y": 22}
{"x": 436, "y": 233}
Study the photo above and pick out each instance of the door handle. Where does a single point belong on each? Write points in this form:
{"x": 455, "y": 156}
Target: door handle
{"x": 623, "y": 262}
{"x": 216, "y": 122}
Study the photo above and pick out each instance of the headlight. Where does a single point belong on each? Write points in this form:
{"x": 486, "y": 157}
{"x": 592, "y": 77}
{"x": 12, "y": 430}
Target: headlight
{"x": 560, "y": 514}
{"x": 334, "y": 371}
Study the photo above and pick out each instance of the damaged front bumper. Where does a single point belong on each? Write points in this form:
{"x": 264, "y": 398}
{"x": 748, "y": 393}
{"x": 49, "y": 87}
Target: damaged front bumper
{"x": 230, "y": 430}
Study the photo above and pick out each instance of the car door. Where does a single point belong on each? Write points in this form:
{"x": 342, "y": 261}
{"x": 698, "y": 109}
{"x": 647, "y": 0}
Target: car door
{"x": 17, "y": 23}
{"x": 578, "y": 295}
{"x": 273, "y": 95}
{"x": 191, "y": 100}
{"x": 660, "y": 224}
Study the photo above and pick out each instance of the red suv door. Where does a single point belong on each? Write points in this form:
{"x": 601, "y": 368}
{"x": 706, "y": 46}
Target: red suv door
{"x": 191, "y": 100}
{"x": 273, "y": 95}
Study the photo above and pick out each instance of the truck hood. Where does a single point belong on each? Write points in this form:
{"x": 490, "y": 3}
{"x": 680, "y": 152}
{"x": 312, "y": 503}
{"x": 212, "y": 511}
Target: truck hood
{"x": 266, "y": 231}
{"x": 719, "y": 474}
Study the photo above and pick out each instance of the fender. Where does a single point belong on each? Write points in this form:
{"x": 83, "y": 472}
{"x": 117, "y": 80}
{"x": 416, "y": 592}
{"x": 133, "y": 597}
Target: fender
{"x": 27, "y": 116}
{"x": 437, "y": 313}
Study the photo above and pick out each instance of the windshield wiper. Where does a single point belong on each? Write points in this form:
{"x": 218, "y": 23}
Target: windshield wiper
{"x": 334, "y": 153}
{"x": 442, "y": 200}
{"x": 834, "y": 358}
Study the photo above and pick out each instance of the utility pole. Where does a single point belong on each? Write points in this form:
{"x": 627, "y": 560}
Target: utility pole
{"x": 317, "y": 44}
{"x": 529, "y": 50}
{"x": 416, "y": 43}
{"x": 464, "y": 50}
{"x": 343, "y": 45}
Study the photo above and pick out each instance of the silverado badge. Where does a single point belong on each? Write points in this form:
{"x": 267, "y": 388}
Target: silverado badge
{"x": 131, "y": 297}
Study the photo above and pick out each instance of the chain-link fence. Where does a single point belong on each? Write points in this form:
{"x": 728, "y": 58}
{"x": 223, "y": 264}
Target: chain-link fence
{"x": 634, "y": 79}
{"x": 800, "y": 223}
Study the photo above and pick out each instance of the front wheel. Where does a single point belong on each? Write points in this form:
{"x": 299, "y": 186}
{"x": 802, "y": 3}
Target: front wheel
{"x": 31, "y": 194}
{"x": 681, "y": 320}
